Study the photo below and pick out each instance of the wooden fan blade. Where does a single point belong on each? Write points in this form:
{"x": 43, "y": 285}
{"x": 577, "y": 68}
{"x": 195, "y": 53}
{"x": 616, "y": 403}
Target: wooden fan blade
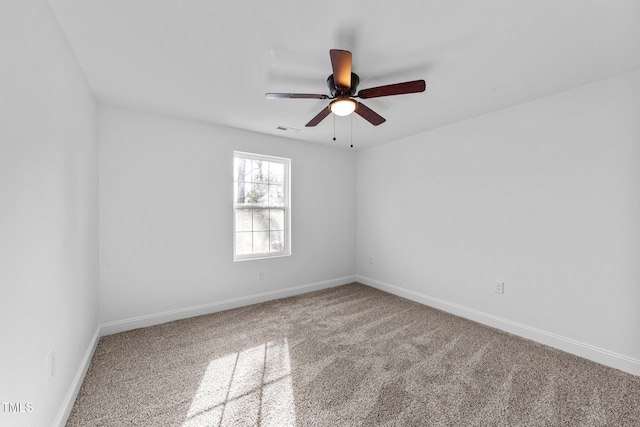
{"x": 369, "y": 115}
{"x": 295, "y": 96}
{"x": 341, "y": 64}
{"x": 394, "y": 89}
{"x": 319, "y": 117}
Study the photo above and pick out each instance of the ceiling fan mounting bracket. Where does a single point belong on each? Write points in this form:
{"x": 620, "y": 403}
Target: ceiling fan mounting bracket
{"x": 337, "y": 91}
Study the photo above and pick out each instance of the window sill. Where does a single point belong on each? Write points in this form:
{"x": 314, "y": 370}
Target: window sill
{"x": 257, "y": 257}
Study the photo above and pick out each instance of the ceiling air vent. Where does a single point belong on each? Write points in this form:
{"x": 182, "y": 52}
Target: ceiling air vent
{"x": 287, "y": 129}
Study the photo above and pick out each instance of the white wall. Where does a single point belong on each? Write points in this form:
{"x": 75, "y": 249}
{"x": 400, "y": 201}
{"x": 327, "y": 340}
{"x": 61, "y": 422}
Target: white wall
{"x": 48, "y": 214}
{"x": 544, "y": 196}
{"x": 166, "y": 217}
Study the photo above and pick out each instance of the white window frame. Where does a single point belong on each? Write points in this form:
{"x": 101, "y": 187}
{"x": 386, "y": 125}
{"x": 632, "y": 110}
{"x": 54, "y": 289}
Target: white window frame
{"x": 287, "y": 207}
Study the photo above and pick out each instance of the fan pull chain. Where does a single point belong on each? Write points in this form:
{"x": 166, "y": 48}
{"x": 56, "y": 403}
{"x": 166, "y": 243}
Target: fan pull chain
{"x": 351, "y": 130}
{"x": 334, "y": 127}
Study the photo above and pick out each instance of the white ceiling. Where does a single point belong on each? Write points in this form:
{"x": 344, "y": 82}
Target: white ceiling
{"x": 214, "y": 60}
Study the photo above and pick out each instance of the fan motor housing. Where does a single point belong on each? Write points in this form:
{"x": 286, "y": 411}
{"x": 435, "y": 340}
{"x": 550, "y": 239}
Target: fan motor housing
{"x": 339, "y": 91}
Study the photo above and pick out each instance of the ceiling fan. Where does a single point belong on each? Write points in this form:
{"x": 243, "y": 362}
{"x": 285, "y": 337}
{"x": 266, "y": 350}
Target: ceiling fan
{"x": 343, "y": 84}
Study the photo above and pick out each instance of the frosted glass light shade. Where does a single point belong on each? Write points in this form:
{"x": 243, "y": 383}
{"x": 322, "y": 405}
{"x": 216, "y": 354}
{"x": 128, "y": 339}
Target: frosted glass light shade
{"x": 343, "y": 106}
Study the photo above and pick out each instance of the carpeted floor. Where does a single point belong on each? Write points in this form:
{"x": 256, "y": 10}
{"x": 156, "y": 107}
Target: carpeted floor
{"x": 347, "y": 356}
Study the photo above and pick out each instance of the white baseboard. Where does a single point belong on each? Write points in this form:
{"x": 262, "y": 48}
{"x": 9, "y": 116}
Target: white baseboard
{"x": 587, "y": 351}
{"x": 70, "y": 398}
{"x": 214, "y": 307}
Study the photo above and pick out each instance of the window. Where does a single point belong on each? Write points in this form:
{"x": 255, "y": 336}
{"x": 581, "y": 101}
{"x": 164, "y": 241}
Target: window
{"x": 261, "y": 206}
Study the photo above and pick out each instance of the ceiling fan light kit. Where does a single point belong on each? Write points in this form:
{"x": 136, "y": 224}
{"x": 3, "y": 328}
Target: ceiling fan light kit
{"x": 343, "y": 106}
{"x": 343, "y": 85}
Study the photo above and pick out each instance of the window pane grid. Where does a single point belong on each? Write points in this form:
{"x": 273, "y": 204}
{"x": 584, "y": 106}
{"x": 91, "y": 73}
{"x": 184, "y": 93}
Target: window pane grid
{"x": 259, "y": 231}
{"x": 259, "y": 182}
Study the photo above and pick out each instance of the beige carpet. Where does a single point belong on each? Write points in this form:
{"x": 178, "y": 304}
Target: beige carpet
{"x": 347, "y": 356}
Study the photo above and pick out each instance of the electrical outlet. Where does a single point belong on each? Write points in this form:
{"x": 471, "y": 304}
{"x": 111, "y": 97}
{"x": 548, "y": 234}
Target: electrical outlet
{"x": 52, "y": 364}
{"x": 498, "y": 287}
{"x": 261, "y": 275}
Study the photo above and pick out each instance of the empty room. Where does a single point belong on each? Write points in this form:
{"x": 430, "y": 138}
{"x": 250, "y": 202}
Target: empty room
{"x": 288, "y": 213}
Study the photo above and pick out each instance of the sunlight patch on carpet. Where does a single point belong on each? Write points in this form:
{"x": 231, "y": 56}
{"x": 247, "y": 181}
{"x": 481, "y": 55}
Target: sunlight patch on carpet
{"x": 250, "y": 387}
